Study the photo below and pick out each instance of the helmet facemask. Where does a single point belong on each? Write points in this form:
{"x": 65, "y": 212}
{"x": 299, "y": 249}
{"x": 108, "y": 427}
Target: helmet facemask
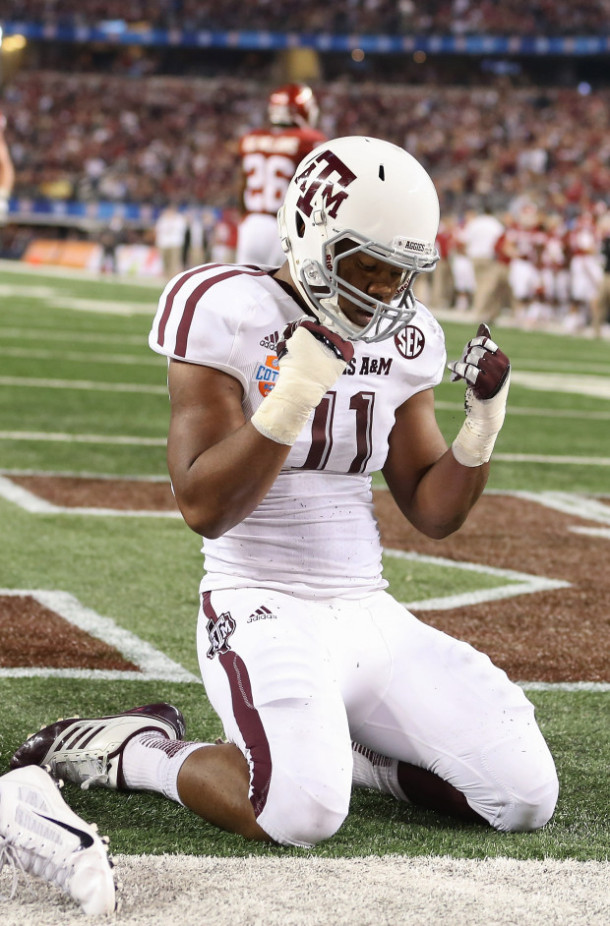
{"x": 324, "y": 285}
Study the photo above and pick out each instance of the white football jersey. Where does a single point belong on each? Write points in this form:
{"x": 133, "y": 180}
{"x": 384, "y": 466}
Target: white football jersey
{"x": 315, "y": 531}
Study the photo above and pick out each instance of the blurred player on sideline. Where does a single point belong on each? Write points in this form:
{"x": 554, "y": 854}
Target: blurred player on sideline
{"x": 7, "y": 172}
{"x": 289, "y": 388}
{"x": 268, "y": 159}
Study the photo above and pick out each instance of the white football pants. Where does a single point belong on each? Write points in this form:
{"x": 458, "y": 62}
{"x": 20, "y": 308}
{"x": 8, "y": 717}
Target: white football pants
{"x": 294, "y": 680}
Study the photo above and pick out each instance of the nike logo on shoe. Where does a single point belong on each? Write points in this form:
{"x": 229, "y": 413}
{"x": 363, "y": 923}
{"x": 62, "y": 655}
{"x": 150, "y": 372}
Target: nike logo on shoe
{"x": 86, "y": 840}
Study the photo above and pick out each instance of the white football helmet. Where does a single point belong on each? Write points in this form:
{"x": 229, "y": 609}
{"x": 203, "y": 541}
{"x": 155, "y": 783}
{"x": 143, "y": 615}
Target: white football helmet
{"x": 377, "y": 198}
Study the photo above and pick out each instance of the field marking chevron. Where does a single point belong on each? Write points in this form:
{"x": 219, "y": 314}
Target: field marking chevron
{"x": 153, "y": 664}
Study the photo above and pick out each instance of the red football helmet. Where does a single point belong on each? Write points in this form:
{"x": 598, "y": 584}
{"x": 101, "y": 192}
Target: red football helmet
{"x": 293, "y": 104}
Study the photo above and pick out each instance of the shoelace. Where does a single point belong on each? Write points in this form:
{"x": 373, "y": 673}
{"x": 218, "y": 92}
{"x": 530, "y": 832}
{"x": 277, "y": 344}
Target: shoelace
{"x": 8, "y": 856}
{"x": 58, "y": 871}
{"x": 100, "y": 779}
{"x": 93, "y": 765}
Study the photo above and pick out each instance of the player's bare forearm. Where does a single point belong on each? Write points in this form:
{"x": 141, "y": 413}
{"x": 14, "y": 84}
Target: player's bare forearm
{"x": 432, "y": 489}
{"x": 223, "y": 485}
{"x": 220, "y": 467}
{"x": 438, "y": 487}
{"x": 445, "y": 495}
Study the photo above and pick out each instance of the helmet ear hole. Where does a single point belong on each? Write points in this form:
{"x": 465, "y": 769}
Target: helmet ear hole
{"x": 300, "y": 224}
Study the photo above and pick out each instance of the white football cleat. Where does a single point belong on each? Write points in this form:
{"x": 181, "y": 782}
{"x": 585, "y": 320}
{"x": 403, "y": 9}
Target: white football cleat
{"x": 39, "y": 834}
{"x": 90, "y": 752}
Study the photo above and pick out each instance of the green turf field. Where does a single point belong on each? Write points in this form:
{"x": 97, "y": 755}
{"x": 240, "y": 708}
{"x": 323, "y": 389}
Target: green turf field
{"x": 80, "y": 392}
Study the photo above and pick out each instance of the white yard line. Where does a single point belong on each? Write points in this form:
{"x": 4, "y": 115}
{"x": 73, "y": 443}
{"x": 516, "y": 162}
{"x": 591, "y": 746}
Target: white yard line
{"x": 522, "y": 583}
{"x": 22, "y": 353}
{"x": 35, "y": 504}
{"x": 563, "y": 460}
{"x": 597, "y": 387}
{"x": 518, "y": 583}
{"x": 533, "y": 412}
{"x": 62, "y": 437}
{"x": 317, "y": 891}
{"x": 153, "y": 664}
{"x": 81, "y": 384}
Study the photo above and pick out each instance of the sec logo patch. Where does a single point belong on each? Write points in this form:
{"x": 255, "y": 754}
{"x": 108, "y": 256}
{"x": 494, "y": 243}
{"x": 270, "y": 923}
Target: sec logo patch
{"x": 410, "y": 342}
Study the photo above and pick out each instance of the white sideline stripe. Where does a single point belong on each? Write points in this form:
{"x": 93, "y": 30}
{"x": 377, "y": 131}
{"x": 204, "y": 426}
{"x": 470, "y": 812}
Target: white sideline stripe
{"x": 565, "y": 686}
{"x": 593, "y": 531}
{"x": 596, "y": 386}
{"x": 153, "y": 664}
{"x": 66, "y": 335}
{"x": 31, "y": 271}
{"x": 555, "y": 460}
{"x": 63, "y": 300}
{"x": 309, "y": 890}
{"x": 83, "y": 438}
{"x": 534, "y": 412}
{"x": 522, "y": 583}
{"x": 82, "y": 384}
{"x": 162, "y": 441}
{"x": 83, "y": 474}
{"x": 106, "y": 308}
{"x": 581, "y": 506}
{"x": 127, "y": 359}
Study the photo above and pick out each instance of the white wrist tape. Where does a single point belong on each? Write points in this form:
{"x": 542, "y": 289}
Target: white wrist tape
{"x": 307, "y": 371}
{"x": 484, "y": 418}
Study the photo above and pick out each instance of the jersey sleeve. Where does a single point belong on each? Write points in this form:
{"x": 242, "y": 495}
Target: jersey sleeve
{"x": 204, "y": 317}
{"x": 422, "y": 345}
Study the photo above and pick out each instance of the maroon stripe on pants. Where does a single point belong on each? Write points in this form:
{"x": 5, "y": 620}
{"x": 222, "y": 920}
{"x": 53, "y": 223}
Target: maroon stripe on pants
{"x": 247, "y": 717}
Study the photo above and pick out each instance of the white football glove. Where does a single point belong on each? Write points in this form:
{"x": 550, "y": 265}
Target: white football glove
{"x": 486, "y": 370}
{"x": 311, "y": 359}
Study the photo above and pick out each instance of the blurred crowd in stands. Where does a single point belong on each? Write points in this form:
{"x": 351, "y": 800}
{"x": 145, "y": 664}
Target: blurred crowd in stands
{"x": 94, "y": 136}
{"x": 527, "y": 145}
{"x": 372, "y": 17}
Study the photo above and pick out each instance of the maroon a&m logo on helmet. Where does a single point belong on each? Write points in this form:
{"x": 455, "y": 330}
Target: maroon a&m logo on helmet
{"x": 324, "y": 174}
{"x": 410, "y": 342}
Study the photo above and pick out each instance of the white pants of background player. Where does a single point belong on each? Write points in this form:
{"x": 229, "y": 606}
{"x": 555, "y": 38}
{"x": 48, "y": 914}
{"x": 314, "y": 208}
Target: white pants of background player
{"x": 258, "y": 241}
{"x": 294, "y": 680}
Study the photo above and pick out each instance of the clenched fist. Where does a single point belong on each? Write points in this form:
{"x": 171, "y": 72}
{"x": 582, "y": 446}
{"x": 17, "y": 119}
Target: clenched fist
{"x": 486, "y": 370}
{"x": 482, "y": 365}
{"x": 311, "y": 359}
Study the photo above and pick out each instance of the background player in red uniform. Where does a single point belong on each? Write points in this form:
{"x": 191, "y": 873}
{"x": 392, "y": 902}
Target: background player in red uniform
{"x": 7, "y": 172}
{"x": 268, "y": 159}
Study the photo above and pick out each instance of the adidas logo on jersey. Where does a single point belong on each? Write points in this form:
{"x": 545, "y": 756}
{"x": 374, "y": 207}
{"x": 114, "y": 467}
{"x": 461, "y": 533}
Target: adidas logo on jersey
{"x": 262, "y": 614}
{"x": 270, "y": 340}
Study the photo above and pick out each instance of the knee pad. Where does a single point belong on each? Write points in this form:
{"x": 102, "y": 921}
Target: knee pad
{"x": 532, "y": 810}
{"x": 524, "y": 786}
{"x": 299, "y": 813}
